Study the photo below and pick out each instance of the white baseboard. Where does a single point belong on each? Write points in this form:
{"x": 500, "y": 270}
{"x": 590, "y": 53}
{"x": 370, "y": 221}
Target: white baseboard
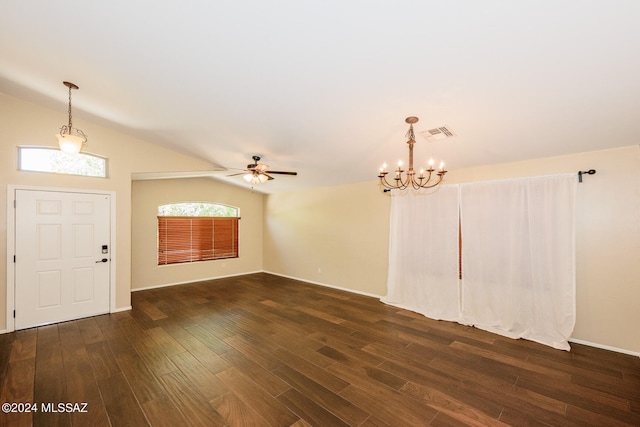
{"x": 164, "y": 285}
{"x": 353, "y": 291}
{"x": 605, "y": 347}
{"x": 118, "y": 310}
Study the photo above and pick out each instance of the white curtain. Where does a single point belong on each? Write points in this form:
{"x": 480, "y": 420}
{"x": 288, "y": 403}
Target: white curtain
{"x": 423, "y": 253}
{"x": 518, "y": 257}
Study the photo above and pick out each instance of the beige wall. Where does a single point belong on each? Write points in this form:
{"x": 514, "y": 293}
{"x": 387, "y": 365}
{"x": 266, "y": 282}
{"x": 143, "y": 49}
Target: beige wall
{"x": 344, "y": 231}
{"x": 26, "y": 124}
{"x": 148, "y": 195}
{"x": 337, "y": 236}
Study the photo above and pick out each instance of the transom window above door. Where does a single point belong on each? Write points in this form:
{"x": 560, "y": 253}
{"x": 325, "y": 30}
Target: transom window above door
{"x": 52, "y": 160}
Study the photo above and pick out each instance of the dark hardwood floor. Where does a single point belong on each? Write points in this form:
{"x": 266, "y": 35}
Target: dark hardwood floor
{"x": 262, "y": 350}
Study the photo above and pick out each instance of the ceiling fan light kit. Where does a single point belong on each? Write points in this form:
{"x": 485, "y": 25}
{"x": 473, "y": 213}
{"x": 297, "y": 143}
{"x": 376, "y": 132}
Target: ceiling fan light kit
{"x": 70, "y": 139}
{"x": 255, "y": 178}
{"x": 411, "y": 179}
{"x": 256, "y": 173}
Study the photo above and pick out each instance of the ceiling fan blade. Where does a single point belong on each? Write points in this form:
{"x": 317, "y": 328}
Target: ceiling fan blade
{"x": 267, "y": 175}
{"x": 284, "y": 173}
{"x": 239, "y": 173}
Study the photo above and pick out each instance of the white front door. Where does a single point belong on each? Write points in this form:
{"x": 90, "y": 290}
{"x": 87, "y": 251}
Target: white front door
{"x": 63, "y": 251}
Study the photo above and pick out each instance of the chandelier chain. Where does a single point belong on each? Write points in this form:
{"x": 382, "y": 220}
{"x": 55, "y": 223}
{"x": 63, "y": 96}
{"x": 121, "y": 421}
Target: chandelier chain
{"x": 410, "y": 135}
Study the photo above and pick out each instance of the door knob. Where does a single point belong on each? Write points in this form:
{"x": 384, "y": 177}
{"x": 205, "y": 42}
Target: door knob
{"x": 102, "y": 260}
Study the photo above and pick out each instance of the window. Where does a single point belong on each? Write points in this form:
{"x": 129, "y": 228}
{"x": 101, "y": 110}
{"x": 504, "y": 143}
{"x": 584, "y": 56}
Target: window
{"x": 192, "y": 232}
{"x": 50, "y": 159}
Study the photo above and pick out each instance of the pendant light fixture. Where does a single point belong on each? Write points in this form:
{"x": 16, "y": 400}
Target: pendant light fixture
{"x": 71, "y": 139}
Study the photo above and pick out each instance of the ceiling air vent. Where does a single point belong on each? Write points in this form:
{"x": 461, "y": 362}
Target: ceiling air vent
{"x": 436, "y": 134}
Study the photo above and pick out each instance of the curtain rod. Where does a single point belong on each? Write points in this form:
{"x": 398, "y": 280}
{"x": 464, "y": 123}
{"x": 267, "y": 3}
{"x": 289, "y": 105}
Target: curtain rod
{"x": 580, "y": 173}
{"x": 589, "y": 172}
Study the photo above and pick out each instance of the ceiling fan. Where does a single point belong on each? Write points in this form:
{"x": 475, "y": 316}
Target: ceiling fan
{"x": 256, "y": 173}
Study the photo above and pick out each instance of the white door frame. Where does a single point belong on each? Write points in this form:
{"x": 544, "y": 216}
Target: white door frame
{"x": 11, "y": 235}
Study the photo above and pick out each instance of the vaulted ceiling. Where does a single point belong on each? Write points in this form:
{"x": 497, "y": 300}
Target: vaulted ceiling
{"x": 323, "y": 87}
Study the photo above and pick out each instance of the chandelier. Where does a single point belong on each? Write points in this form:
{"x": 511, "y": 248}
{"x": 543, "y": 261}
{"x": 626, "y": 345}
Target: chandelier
{"x": 411, "y": 179}
{"x": 70, "y": 139}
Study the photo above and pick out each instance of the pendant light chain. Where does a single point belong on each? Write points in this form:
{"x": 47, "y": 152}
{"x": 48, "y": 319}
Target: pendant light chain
{"x": 70, "y": 108}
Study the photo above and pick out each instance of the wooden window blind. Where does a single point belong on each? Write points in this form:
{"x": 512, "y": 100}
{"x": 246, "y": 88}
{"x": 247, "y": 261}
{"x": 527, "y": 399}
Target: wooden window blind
{"x": 191, "y": 239}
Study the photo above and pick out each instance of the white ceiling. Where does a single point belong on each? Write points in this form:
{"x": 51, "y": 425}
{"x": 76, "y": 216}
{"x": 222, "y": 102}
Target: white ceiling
{"x": 323, "y": 87}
